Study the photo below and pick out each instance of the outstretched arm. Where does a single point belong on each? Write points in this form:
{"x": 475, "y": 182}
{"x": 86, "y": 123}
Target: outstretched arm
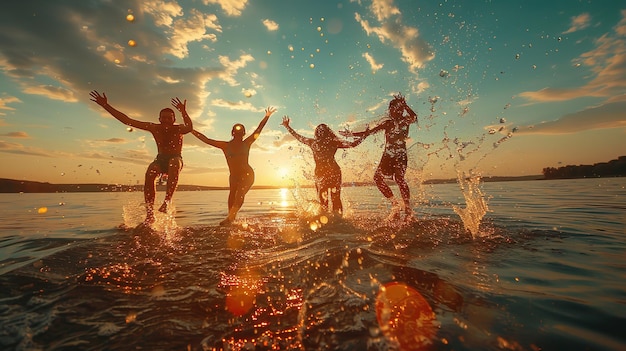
{"x": 364, "y": 133}
{"x": 103, "y": 101}
{"x": 212, "y": 142}
{"x": 344, "y": 144}
{"x": 295, "y": 134}
{"x": 182, "y": 107}
{"x": 257, "y": 131}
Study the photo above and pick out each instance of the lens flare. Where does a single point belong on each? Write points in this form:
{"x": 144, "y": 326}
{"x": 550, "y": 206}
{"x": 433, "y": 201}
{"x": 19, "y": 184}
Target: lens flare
{"x": 405, "y": 316}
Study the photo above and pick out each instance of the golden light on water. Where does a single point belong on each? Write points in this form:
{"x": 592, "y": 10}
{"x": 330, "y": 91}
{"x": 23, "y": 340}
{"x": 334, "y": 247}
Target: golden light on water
{"x": 132, "y": 43}
{"x": 130, "y": 17}
{"x": 241, "y": 291}
{"x": 405, "y": 316}
{"x": 42, "y": 210}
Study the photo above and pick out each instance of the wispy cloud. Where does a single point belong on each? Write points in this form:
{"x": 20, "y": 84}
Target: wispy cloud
{"x": 19, "y": 135}
{"x": 390, "y": 29}
{"x": 610, "y": 115}
{"x": 607, "y": 62}
{"x": 579, "y": 22}
{"x": 373, "y": 64}
{"x": 5, "y": 101}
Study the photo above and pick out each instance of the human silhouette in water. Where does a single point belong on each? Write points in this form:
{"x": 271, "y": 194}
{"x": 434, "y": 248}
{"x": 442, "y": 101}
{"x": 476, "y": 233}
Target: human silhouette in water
{"x": 393, "y": 162}
{"x": 169, "y": 140}
{"x": 237, "y": 152}
{"x": 324, "y": 145}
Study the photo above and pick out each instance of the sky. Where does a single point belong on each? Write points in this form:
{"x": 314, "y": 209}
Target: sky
{"x": 501, "y": 88}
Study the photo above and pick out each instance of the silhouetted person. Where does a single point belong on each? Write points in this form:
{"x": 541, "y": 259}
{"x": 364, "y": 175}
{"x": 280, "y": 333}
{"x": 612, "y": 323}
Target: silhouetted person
{"x": 324, "y": 145}
{"x": 393, "y": 162}
{"x": 237, "y": 152}
{"x": 169, "y": 140}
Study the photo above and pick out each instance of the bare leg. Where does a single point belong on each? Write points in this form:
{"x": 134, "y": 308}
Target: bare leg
{"x": 335, "y": 196}
{"x": 149, "y": 191}
{"x": 379, "y": 179}
{"x": 173, "y": 172}
{"x": 322, "y": 194}
{"x": 237, "y": 195}
{"x": 406, "y": 195}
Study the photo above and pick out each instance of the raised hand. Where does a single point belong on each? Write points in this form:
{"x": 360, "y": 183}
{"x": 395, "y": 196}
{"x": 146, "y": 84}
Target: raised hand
{"x": 180, "y": 106}
{"x": 286, "y": 121}
{"x": 269, "y": 111}
{"x": 98, "y": 99}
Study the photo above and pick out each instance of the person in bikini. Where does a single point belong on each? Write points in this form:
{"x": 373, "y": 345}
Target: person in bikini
{"x": 327, "y": 172}
{"x": 169, "y": 140}
{"x": 237, "y": 152}
{"x": 393, "y": 162}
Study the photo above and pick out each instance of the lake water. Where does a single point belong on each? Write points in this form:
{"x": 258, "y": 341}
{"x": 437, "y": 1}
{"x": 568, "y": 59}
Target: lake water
{"x": 544, "y": 270}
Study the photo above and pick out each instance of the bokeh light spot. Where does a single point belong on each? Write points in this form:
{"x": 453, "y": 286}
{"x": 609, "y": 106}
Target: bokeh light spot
{"x": 405, "y": 316}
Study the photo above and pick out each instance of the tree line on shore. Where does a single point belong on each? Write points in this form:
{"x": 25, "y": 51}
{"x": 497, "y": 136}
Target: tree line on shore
{"x": 613, "y": 168}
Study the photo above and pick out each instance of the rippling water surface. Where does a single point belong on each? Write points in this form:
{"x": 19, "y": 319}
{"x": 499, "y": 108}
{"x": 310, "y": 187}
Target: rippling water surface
{"x": 546, "y": 271}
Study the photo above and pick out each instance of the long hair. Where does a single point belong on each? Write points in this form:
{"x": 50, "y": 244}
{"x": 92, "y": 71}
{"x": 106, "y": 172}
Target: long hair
{"x": 322, "y": 131}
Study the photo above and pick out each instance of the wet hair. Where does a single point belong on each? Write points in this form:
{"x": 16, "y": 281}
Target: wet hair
{"x": 323, "y": 131}
{"x": 167, "y": 111}
{"x": 238, "y": 129}
{"x": 397, "y": 101}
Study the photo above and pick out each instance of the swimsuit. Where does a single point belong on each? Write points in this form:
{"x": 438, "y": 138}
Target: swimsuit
{"x": 163, "y": 161}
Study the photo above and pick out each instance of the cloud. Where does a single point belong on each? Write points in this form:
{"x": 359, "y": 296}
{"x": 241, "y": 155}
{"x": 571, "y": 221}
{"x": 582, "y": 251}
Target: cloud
{"x": 115, "y": 140}
{"x": 51, "y": 92}
{"x": 5, "y": 101}
{"x": 94, "y": 53}
{"x": 383, "y": 9}
{"x": 391, "y": 30}
{"x": 607, "y": 64}
{"x": 235, "y": 105}
{"x": 19, "y": 149}
{"x": 270, "y": 25}
{"x": 20, "y": 135}
{"x": 610, "y": 115}
{"x": 578, "y": 23}
{"x": 415, "y": 50}
{"x": 193, "y": 28}
{"x": 373, "y": 64}
{"x": 231, "y": 7}
{"x": 231, "y": 67}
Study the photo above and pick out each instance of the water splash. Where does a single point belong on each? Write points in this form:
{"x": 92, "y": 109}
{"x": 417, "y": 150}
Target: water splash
{"x": 475, "y": 202}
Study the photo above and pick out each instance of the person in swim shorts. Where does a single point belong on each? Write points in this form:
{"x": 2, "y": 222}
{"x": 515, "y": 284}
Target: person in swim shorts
{"x": 169, "y": 140}
{"x": 237, "y": 152}
{"x": 393, "y": 162}
{"x": 324, "y": 145}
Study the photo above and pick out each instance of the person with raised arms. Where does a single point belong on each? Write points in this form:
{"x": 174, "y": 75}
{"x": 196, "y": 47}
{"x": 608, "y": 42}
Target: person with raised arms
{"x": 393, "y": 163}
{"x": 324, "y": 146}
{"x": 237, "y": 152}
{"x": 169, "y": 140}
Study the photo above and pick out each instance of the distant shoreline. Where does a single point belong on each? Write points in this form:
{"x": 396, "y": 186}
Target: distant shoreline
{"x": 26, "y": 186}
{"x": 8, "y": 186}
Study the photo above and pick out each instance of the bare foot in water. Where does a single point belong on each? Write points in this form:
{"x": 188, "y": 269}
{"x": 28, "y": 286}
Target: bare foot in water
{"x": 226, "y": 222}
